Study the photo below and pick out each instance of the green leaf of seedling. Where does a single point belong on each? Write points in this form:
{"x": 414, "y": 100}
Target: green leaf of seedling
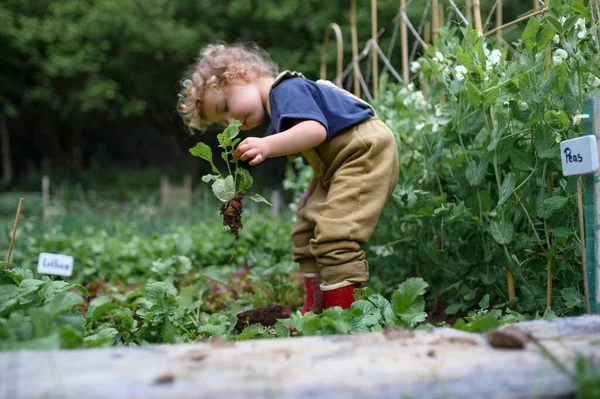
{"x": 502, "y": 232}
{"x": 485, "y": 302}
{"x": 246, "y": 180}
{"x": 507, "y": 188}
{"x": 208, "y": 178}
{"x": 544, "y": 37}
{"x": 408, "y": 303}
{"x": 489, "y": 96}
{"x": 530, "y": 33}
{"x": 203, "y": 151}
{"x": 475, "y": 173}
{"x": 453, "y": 309}
{"x": 555, "y": 203}
{"x": 224, "y": 189}
{"x": 561, "y": 232}
{"x": 473, "y": 94}
{"x": 259, "y": 198}
{"x": 572, "y": 297}
{"x": 225, "y": 138}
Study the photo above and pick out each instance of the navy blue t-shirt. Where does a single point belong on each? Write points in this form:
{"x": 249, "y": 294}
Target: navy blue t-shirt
{"x": 299, "y": 98}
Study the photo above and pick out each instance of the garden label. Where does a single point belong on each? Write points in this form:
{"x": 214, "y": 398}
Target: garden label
{"x": 579, "y": 156}
{"x": 61, "y": 265}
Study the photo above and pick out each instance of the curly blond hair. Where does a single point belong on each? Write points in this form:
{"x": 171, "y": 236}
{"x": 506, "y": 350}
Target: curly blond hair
{"x": 218, "y": 66}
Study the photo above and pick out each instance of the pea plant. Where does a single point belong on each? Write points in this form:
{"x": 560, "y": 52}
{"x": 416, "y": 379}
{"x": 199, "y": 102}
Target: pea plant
{"x": 228, "y": 188}
{"x": 481, "y": 194}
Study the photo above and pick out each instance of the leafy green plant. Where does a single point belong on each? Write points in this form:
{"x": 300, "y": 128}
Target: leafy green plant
{"x": 370, "y": 312}
{"x": 481, "y": 193}
{"x": 229, "y": 187}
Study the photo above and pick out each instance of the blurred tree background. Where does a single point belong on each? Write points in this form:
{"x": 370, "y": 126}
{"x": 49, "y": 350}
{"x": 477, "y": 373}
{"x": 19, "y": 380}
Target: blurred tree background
{"x": 89, "y": 87}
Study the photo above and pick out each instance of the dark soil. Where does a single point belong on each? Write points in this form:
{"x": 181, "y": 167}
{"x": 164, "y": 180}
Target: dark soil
{"x": 232, "y": 215}
{"x": 265, "y": 315}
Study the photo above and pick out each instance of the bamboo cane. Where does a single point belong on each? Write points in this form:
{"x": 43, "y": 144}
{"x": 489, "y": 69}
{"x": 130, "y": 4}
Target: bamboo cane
{"x": 469, "y": 11}
{"x": 354, "y": 47}
{"x": 404, "y": 43}
{"x": 536, "y": 5}
{"x": 477, "y": 14}
{"x": 549, "y": 263}
{"x": 374, "y": 56}
{"x": 506, "y": 25}
{"x": 340, "y": 53}
{"x": 510, "y": 283}
{"x": 582, "y": 239}
{"x": 548, "y": 52}
{"x": 499, "y": 24}
{"x": 434, "y": 18}
{"x": 441, "y": 17}
{"x": 14, "y": 232}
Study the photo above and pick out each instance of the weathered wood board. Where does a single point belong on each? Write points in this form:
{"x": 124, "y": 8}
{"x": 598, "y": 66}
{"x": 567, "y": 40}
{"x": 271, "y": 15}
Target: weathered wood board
{"x": 442, "y": 363}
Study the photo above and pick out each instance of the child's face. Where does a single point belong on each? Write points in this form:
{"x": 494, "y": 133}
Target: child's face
{"x": 242, "y": 101}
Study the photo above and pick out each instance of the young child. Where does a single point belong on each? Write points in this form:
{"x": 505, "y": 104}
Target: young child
{"x": 352, "y": 152}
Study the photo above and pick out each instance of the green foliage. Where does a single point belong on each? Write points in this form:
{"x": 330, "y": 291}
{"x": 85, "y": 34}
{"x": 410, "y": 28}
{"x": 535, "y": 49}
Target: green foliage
{"x": 481, "y": 189}
{"x": 39, "y": 313}
{"x": 370, "y": 312}
{"x": 237, "y": 181}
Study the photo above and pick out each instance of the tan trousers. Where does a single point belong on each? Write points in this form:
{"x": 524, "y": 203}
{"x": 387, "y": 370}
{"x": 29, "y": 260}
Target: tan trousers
{"x": 359, "y": 169}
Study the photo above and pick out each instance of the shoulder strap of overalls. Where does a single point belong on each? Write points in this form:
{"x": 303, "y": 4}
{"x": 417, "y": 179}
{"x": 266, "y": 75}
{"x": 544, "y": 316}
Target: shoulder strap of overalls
{"x": 310, "y": 155}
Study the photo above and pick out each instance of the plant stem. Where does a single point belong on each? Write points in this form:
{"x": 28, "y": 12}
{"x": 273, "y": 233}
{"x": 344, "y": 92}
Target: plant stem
{"x": 14, "y": 232}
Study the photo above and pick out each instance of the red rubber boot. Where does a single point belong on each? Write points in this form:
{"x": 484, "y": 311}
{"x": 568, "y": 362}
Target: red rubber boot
{"x": 314, "y": 296}
{"x": 343, "y": 297}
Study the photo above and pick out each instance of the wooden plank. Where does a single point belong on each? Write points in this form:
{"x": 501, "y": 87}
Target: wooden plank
{"x": 441, "y": 363}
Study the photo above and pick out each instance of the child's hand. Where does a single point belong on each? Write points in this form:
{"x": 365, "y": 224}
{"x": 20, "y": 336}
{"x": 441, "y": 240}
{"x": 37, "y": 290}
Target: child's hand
{"x": 254, "y": 148}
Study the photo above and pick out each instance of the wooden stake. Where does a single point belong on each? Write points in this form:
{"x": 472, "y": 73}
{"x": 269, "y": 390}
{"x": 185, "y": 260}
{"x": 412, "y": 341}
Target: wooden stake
{"x": 434, "y": 18}
{"x": 582, "y": 238}
{"x": 536, "y": 5}
{"x": 549, "y": 263}
{"x": 533, "y": 14}
{"x": 441, "y": 17}
{"x": 499, "y": 24}
{"x": 469, "y": 11}
{"x": 548, "y": 51}
{"x": 510, "y": 283}
{"x": 404, "y": 43}
{"x": 14, "y": 232}
{"x": 477, "y": 14}
{"x": 354, "y": 47}
{"x": 340, "y": 53}
{"x": 374, "y": 57}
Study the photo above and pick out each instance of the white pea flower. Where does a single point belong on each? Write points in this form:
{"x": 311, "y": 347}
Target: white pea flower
{"x": 556, "y": 39}
{"x": 488, "y": 65}
{"x": 419, "y": 126}
{"x": 593, "y": 81}
{"x": 411, "y": 87}
{"x": 439, "y": 56}
{"x": 563, "y": 20}
{"x": 579, "y": 117}
{"x": 461, "y": 71}
{"x": 495, "y": 56}
{"x": 415, "y": 67}
{"x": 580, "y": 25}
{"x": 523, "y": 106}
{"x": 435, "y": 127}
{"x": 559, "y": 56}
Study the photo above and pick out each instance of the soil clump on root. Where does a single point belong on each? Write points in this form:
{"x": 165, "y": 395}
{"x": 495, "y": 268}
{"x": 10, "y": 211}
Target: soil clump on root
{"x": 232, "y": 215}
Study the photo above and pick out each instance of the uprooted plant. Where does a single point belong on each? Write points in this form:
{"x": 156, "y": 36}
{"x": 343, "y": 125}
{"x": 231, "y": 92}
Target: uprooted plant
{"x": 229, "y": 188}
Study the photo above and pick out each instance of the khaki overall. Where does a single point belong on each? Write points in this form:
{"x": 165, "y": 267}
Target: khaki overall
{"x": 357, "y": 171}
